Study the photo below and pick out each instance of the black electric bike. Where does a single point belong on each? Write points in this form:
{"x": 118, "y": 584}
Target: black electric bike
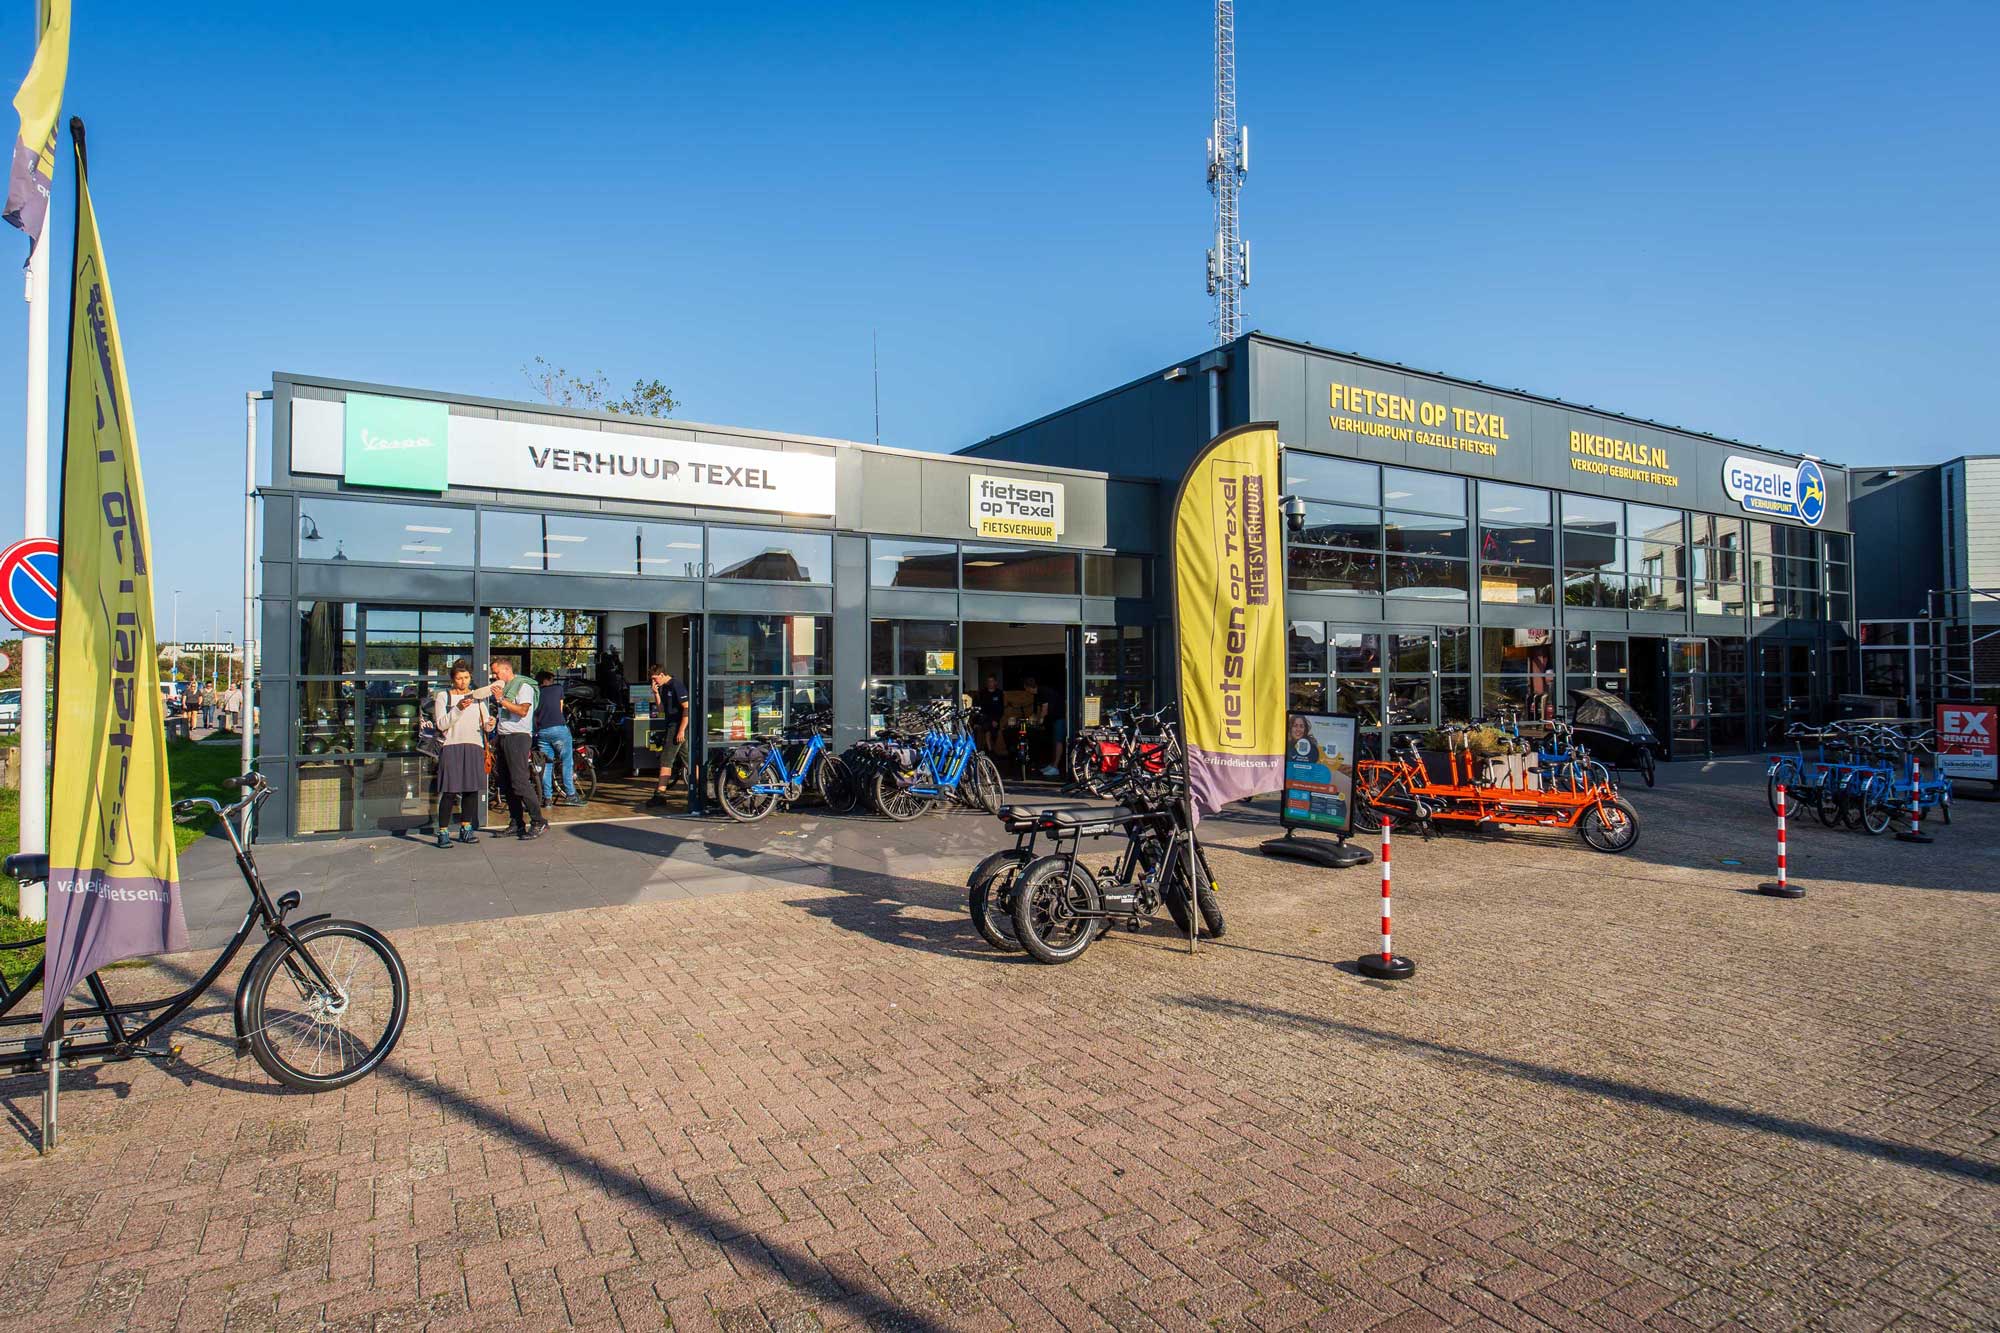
{"x": 1058, "y": 906}
{"x": 320, "y": 1006}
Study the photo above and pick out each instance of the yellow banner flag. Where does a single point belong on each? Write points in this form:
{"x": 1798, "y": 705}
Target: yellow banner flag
{"x": 1229, "y": 613}
{"x": 39, "y": 102}
{"x": 114, "y": 880}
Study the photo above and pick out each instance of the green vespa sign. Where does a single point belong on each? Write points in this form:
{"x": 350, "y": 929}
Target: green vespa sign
{"x": 395, "y": 442}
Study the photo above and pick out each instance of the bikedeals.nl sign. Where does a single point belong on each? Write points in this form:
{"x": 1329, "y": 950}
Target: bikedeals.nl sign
{"x": 1763, "y": 486}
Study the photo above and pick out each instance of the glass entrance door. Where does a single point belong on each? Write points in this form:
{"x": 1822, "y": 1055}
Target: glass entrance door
{"x": 1687, "y": 692}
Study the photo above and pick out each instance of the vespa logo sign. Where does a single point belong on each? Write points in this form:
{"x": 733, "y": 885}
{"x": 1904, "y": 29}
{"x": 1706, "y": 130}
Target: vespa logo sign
{"x": 399, "y": 443}
{"x": 1765, "y": 487}
{"x": 1968, "y": 741}
{"x": 1018, "y": 510}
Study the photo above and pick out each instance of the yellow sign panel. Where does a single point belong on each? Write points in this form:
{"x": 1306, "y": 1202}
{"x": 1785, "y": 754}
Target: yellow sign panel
{"x": 1391, "y": 416}
{"x": 1018, "y": 529}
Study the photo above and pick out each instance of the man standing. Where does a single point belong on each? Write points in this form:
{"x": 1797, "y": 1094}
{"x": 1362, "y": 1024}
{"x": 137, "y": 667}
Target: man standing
{"x": 553, "y": 739}
{"x": 232, "y": 707}
{"x": 670, "y": 727}
{"x": 990, "y": 708}
{"x": 515, "y": 699}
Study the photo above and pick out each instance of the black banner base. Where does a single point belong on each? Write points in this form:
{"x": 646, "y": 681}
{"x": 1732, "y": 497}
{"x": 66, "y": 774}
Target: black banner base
{"x": 1394, "y": 968}
{"x": 1771, "y": 889}
{"x": 1342, "y": 855}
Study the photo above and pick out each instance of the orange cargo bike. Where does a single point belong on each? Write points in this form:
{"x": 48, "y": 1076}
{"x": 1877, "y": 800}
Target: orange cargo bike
{"x": 1405, "y": 786}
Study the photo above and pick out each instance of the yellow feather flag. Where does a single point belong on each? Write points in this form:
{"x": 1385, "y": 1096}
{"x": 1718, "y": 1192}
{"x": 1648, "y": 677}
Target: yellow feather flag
{"x": 39, "y": 103}
{"x": 1229, "y": 616}
{"x": 114, "y": 880}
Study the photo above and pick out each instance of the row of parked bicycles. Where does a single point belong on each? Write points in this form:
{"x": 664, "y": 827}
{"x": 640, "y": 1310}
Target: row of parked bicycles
{"x": 925, "y": 760}
{"x": 1860, "y": 774}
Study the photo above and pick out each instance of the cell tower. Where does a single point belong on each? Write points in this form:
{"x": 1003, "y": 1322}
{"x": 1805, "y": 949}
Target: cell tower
{"x": 1228, "y": 163}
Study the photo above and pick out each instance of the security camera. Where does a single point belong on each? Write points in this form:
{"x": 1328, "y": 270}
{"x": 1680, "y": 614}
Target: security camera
{"x": 1294, "y": 510}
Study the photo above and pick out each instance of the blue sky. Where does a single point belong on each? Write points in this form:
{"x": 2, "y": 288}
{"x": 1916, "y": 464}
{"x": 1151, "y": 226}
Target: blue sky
{"x": 1771, "y": 222}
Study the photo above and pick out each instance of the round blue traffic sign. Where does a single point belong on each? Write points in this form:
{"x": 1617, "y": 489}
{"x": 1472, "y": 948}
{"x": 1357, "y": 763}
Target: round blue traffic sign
{"x": 29, "y": 581}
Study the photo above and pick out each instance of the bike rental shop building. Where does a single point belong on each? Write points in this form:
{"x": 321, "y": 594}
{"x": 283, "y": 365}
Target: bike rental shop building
{"x": 1464, "y": 547}
{"x": 774, "y": 575}
{"x": 1467, "y": 547}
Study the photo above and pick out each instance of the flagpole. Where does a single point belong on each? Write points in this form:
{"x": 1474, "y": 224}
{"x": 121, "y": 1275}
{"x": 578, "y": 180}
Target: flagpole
{"x": 35, "y": 514}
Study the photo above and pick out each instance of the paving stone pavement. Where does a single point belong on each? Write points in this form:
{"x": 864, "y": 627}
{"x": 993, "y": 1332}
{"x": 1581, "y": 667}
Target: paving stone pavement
{"x": 1619, "y": 1093}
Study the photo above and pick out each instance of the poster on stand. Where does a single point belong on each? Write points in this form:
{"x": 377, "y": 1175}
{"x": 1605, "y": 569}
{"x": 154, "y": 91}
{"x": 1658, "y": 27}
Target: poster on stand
{"x": 1968, "y": 741}
{"x": 1319, "y": 772}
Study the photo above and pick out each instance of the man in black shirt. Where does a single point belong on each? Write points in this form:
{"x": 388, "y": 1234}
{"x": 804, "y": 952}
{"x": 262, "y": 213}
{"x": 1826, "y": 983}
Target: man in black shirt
{"x": 990, "y": 708}
{"x": 670, "y": 727}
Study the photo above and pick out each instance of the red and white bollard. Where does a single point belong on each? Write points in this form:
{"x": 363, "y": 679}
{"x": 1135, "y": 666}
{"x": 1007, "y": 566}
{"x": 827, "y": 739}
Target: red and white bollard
{"x": 1386, "y": 965}
{"x": 1915, "y": 832}
{"x": 1782, "y": 887}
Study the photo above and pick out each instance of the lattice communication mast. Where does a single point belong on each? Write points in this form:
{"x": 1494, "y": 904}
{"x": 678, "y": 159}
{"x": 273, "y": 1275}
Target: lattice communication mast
{"x": 1228, "y": 163}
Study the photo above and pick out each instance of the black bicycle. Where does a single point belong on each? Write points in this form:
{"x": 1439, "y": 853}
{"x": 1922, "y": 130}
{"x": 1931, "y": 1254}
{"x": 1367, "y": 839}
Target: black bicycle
{"x": 320, "y": 1006}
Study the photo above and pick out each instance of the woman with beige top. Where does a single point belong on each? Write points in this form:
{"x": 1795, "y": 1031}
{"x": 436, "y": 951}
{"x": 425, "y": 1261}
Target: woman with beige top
{"x": 459, "y": 714}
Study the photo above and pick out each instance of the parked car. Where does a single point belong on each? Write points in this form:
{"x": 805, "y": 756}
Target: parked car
{"x": 10, "y": 710}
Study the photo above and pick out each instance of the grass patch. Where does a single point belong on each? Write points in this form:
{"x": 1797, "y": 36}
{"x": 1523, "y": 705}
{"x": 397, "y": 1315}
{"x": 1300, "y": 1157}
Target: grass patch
{"x": 192, "y": 770}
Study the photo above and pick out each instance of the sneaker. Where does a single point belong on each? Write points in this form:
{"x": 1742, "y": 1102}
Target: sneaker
{"x": 659, "y": 799}
{"x": 466, "y": 835}
{"x": 533, "y": 831}
{"x": 1051, "y": 772}
{"x": 444, "y": 838}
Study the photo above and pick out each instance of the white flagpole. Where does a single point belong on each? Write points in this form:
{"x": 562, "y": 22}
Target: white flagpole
{"x": 35, "y": 506}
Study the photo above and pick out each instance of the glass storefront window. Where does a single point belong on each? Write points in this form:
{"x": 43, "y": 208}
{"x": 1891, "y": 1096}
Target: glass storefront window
{"x": 1432, "y": 492}
{"x": 326, "y": 639}
{"x": 913, "y": 648}
{"x": 411, "y": 641}
{"x": 1409, "y": 650}
{"x": 1114, "y": 575}
{"x": 1318, "y": 569}
{"x": 1315, "y": 476}
{"x": 887, "y": 698}
{"x": 738, "y": 710}
{"x": 769, "y": 556}
{"x": 1356, "y": 652}
{"x": 1505, "y": 506}
{"x": 572, "y": 544}
{"x": 1423, "y": 577}
{"x": 543, "y": 639}
{"x": 329, "y": 719}
{"x": 752, "y": 645}
{"x": 1117, "y": 669}
{"x": 900, "y": 564}
{"x": 1307, "y": 694}
{"x": 1360, "y": 696}
{"x": 1305, "y": 648}
{"x": 1422, "y": 534}
{"x": 1410, "y": 701}
{"x": 1021, "y": 569}
{"x": 389, "y": 534}
{"x": 1454, "y": 643}
{"x": 1342, "y": 526}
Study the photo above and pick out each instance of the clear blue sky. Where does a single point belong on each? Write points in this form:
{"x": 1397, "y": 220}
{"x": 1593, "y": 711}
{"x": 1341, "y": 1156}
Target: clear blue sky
{"x": 1771, "y": 222}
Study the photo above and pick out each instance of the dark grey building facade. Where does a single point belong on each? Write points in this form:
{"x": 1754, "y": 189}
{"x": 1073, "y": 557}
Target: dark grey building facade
{"x": 1468, "y": 547}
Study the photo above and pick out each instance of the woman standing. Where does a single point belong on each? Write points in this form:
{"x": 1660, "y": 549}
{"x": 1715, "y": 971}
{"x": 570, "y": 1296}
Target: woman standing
{"x": 460, "y": 716}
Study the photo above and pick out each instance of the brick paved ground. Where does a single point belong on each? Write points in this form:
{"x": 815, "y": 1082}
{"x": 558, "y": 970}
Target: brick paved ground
{"x": 1619, "y": 1093}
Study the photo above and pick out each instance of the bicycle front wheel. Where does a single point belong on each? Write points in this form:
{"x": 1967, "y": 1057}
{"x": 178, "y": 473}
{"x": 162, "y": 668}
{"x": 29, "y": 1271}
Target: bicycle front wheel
{"x": 838, "y": 789}
{"x": 310, "y": 1038}
{"x": 586, "y": 779}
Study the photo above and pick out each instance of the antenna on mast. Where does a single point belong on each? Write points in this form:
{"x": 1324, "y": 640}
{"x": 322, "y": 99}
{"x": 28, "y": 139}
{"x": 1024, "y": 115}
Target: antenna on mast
{"x": 1228, "y": 163}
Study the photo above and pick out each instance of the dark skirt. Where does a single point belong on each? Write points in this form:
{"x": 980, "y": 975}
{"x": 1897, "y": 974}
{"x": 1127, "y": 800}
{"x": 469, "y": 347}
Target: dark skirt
{"x": 462, "y": 768}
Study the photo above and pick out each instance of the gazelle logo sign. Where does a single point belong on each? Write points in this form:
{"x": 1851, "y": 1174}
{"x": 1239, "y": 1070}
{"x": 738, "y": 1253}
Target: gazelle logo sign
{"x": 1762, "y": 486}
{"x": 1968, "y": 740}
{"x": 399, "y": 443}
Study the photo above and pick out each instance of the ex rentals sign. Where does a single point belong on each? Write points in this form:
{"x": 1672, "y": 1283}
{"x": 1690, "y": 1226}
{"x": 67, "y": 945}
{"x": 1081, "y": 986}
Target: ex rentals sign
{"x": 1968, "y": 740}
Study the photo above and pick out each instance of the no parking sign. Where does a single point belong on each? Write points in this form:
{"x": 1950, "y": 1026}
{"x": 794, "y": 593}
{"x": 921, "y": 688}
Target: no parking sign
{"x": 29, "y": 580}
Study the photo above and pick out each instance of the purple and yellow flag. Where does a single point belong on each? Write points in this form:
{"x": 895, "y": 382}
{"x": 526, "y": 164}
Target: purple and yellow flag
{"x": 114, "y": 879}
{"x": 39, "y": 103}
{"x": 1229, "y": 610}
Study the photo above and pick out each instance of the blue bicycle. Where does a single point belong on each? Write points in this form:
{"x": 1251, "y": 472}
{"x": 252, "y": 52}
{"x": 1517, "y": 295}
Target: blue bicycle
{"x": 948, "y": 767}
{"x": 759, "y": 778}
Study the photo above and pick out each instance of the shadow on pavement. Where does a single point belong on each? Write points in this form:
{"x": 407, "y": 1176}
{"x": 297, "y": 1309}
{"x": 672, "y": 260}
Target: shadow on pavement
{"x": 1695, "y": 1108}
